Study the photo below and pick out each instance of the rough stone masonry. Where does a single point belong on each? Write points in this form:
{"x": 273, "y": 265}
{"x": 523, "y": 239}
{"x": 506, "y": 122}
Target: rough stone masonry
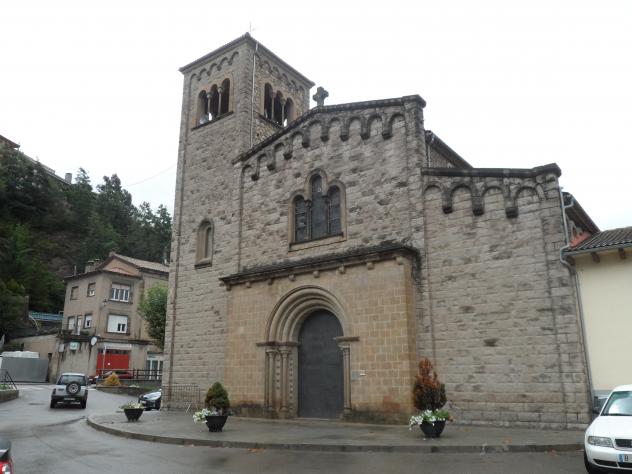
{"x": 356, "y": 216}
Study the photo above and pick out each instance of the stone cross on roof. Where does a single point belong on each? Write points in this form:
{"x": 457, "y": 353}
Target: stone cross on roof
{"x": 320, "y": 96}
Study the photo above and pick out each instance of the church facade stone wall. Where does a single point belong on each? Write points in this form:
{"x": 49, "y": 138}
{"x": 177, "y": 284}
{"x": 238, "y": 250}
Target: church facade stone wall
{"x": 434, "y": 258}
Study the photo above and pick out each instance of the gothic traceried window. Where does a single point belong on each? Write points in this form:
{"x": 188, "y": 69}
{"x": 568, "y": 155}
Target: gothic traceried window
{"x": 319, "y": 222}
{"x": 319, "y": 217}
{"x": 333, "y": 202}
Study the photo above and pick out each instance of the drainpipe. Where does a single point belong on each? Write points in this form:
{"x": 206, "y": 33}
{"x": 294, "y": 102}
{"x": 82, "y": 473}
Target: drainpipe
{"x": 580, "y": 306}
{"x": 252, "y": 96}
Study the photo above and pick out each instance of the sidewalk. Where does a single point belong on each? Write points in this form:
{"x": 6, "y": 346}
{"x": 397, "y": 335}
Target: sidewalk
{"x": 317, "y": 435}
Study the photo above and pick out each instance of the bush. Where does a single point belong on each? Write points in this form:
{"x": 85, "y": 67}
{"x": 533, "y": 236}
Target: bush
{"x": 428, "y": 392}
{"x": 217, "y": 397}
{"x": 112, "y": 381}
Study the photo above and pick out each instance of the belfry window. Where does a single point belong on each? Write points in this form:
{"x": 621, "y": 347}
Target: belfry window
{"x": 320, "y": 216}
{"x": 267, "y": 102}
{"x": 288, "y": 112}
{"x": 277, "y": 108}
{"x": 225, "y": 94}
{"x": 213, "y": 103}
{"x": 202, "y": 110}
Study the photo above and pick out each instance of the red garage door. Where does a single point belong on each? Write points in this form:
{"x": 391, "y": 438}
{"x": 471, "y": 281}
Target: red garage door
{"x": 113, "y": 359}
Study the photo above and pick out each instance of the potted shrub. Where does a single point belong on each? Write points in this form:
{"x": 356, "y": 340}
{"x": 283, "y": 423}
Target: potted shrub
{"x": 429, "y": 398}
{"x": 216, "y": 409}
{"x": 133, "y": 410}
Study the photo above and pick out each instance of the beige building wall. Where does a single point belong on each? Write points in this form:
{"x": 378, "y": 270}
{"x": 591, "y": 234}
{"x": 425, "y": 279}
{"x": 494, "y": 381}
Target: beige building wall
{"x": 606, "y": 293}
{"x": 375, "y": 305}
{"x": 100, "y": 306}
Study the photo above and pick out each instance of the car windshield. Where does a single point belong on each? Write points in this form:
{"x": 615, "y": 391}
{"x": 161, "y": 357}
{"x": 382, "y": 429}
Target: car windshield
{"x": 66, "y": 379}
{"x": 619, "y": 404}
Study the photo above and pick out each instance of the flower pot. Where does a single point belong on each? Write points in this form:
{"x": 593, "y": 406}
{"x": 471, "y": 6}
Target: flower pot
{"x": 216, "y": 422}
{"x": 133, "y": 414}
{"x": 432, "y": 430}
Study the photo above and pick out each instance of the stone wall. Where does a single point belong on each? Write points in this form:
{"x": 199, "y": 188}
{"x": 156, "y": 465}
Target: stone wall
{"x": 376, "y": 309}
{"x": 500, "y": 316}
{"x": 489, "y": 302}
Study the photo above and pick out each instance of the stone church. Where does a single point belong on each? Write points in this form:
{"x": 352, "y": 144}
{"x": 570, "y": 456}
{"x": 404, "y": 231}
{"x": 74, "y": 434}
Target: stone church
{"x": 319, "y": 253}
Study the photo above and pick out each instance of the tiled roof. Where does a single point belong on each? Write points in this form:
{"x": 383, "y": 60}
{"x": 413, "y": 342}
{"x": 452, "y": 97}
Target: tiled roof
{"x": 608, "y": 238}
{"x": 144, "y": 264}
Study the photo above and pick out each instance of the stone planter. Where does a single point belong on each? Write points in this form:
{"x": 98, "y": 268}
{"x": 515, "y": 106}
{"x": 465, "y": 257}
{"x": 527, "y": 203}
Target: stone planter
{"x": 133, "y": 414}
{"x": 216, "y": 422}
{"x": 432, "y": 430}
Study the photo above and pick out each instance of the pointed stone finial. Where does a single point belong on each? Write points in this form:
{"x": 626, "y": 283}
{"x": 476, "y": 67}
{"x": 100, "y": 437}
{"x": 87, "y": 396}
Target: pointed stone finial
{"x": 320, "y": 96}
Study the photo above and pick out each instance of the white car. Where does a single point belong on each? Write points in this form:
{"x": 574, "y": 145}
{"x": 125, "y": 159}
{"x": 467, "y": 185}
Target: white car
{"x": 70, "y": 388}
{"x": 608, "y": 439}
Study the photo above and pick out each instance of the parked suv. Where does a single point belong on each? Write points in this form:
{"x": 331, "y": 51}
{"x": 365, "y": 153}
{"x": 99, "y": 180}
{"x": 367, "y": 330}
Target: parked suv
{"x": 70, "y": 388}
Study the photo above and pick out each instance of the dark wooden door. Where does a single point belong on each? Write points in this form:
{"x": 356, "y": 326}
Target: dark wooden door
{"x": 320, "y": 378}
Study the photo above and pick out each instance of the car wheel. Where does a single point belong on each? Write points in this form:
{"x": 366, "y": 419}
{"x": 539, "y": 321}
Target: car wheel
{"x": 53, "y": 403}
{"x": 590, "y": 469}
{"x": 84, "y": 403}
{"x": 73, "y": 388}
{"x": 157, "y": 405}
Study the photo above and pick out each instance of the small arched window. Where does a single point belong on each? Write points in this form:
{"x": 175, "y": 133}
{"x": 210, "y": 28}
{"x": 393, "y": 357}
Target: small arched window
{"x": 277, "y": 108}
{"x": 204, "y": 251}
{"x": 225, "y": 97}
{"x": 319, "y": 217}
{"x": 288, "y": 112}
{"x": 267, "y": 101}
{"x": 202, "y": 108}
{"x": 214, "y": 102}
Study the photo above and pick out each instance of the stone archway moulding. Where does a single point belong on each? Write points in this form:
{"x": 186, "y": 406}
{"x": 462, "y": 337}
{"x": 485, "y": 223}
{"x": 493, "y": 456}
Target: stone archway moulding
{"x": 281, "y": 343}
{"x": 288, "y": 314}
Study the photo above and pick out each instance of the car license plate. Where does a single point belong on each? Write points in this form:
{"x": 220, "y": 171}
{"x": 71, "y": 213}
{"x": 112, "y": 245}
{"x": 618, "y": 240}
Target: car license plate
{"x": 68, "y": 398}
{"x": 625, "y": 457}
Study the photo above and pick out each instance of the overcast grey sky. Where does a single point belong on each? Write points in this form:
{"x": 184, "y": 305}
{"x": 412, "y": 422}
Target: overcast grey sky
{"x": 508, "y": 84}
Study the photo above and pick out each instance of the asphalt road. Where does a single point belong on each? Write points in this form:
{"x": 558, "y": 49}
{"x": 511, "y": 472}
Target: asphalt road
{"x": 59, "y": 440}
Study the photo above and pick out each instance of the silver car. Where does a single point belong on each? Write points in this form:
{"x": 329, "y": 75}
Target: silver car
{"x": 70, "y": 388}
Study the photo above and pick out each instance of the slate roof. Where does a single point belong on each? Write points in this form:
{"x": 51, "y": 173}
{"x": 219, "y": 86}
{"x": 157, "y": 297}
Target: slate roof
{"x": 613, "y": 238}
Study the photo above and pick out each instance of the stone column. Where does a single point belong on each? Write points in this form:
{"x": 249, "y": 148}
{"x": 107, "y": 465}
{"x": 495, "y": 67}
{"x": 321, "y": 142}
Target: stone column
{"x": 209, "y": 94}
{"x": 219, "y": 100}
{"x": 285, "y": 375}
{"x": 269, "y": 401}
{"x": 346, "y": 369}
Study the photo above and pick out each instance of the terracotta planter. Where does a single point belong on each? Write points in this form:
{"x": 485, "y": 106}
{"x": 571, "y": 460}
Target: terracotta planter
{"x": 216, "y": 422}
{"x": 432, "y": 430}
{"x": 133, "y": 414}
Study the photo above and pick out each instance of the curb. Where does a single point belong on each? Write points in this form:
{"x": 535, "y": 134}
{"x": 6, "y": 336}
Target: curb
{"x": 7, "y": 395}
{"x": 345, "y": 448}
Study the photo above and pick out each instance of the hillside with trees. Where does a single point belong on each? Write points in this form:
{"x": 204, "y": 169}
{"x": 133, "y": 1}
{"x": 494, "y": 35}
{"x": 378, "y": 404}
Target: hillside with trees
{"x": 49, "y": 229}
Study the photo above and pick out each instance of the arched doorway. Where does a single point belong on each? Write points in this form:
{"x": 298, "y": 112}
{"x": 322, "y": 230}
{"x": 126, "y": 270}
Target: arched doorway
{"x": 320, "y": 367}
